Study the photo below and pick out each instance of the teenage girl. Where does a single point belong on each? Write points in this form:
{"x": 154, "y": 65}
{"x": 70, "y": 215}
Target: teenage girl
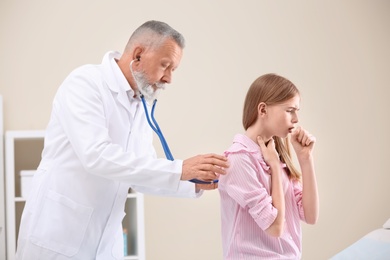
{"x": 264, "y": 197}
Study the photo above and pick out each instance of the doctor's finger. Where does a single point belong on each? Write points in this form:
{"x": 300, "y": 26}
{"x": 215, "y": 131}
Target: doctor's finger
{"x": 217, "y": 161}
{"x": 216, "y": 170}
{"x": 211, "y": 186}
{"x": 206, "y": 175}
{"x": 214, "y": 155}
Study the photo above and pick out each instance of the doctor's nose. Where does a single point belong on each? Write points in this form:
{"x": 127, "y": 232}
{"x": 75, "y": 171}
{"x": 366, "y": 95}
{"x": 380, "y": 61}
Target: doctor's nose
{"x": 167, "y": 77}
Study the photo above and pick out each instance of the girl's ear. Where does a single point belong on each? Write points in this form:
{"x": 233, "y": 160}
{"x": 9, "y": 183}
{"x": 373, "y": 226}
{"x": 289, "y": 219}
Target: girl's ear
{"x": 262, "y": 109}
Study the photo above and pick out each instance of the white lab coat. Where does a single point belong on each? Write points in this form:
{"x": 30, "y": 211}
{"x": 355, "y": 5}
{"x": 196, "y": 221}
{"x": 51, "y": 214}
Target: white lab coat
{"x": 97, "y": 145}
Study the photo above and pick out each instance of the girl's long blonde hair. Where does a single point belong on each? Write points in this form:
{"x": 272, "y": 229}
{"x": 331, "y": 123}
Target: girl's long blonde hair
{"x": 271, "y": 89}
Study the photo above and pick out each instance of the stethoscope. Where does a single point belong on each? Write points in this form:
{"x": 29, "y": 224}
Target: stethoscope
{"x": 157, "y": 130}
{"x": 163, "y": 141}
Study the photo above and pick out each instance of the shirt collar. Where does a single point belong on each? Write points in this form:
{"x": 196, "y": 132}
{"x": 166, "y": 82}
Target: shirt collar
{"x": 246, "y": 141}
{"x": 252, "y": 147}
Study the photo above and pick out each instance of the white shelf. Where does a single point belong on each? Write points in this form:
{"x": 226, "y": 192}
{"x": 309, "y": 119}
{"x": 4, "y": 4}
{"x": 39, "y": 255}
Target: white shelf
{"x": 23, "y": 152}
{"x": 25, "y": 134}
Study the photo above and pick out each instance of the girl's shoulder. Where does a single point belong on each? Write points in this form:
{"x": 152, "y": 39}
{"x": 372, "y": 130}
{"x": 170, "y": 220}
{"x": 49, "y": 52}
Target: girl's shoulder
{"x": 244, "y": 148}
{"x": 242, "y": 144}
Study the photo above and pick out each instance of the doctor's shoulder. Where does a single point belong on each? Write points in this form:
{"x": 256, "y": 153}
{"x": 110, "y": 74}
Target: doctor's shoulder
{"x": 84, "y": 77}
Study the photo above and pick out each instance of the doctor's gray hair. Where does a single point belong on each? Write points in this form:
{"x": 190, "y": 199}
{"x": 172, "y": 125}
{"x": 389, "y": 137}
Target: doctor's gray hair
{"x": 154, "y": 33}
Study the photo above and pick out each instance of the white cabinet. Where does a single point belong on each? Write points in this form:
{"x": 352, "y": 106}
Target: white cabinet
{"x": 2, "y": 187}
{"x": 23, "y": 152}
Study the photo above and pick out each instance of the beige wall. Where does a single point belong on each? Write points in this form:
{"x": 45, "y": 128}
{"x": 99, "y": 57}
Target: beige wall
{"x": 337, "y": 52}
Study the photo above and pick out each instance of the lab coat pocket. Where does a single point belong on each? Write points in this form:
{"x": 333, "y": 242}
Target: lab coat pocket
{"x": 61, "y": 225}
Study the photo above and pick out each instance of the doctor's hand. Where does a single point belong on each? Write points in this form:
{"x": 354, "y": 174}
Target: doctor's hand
{"x": 209, "y": 186}
{"x": 206, "y": 167}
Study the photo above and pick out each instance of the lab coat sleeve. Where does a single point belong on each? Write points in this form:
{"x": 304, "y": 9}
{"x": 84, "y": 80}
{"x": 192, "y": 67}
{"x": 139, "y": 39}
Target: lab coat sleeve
{"x": 80, "y": 107}
{"x": 186, "y": 190}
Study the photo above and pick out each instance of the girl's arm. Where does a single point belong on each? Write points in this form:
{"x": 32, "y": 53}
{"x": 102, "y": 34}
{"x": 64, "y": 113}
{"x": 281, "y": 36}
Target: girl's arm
{"x": 303, "y": 143}
{"x": 271, "y": 157}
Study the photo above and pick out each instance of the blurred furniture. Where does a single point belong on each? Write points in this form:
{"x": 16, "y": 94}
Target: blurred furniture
{"x": 373, "y": 246}
{"x": 22, "y": 154}
{"x": 2, "y": 187}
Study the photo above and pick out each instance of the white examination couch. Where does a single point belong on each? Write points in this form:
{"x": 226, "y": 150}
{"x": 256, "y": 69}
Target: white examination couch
{"x": 373, "y": 246}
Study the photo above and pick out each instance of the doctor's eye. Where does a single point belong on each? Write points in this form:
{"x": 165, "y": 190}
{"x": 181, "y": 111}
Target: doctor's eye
{"x": 165, "y": 65}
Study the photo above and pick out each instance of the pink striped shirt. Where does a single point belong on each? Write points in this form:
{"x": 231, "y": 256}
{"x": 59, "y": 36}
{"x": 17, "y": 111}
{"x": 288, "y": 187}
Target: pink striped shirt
{"x": 247, "y": 210}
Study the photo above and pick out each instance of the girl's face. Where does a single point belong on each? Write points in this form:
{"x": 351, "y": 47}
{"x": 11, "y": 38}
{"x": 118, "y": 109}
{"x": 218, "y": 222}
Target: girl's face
{"x": 282, "y": 118}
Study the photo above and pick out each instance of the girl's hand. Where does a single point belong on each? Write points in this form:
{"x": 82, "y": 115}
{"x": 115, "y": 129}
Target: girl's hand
{"x": 302, "y": 141}
{"x": 269, "y": 151}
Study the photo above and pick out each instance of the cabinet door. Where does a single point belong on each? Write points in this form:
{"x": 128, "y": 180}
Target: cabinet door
{"x": 22, "y": 152}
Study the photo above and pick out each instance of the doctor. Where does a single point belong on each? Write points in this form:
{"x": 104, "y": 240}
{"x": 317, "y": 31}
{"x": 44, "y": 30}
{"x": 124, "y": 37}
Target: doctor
{"x": 98, "y": 144}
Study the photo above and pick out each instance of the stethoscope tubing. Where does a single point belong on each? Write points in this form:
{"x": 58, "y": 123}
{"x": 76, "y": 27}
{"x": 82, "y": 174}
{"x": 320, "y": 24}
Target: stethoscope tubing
{"x": 157, "y": 130}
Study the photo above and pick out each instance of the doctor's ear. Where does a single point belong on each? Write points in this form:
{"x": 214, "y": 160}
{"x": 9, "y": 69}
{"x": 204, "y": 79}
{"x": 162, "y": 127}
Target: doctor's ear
{"x": 262, "y": 108}
{"x": 137, "y": 53}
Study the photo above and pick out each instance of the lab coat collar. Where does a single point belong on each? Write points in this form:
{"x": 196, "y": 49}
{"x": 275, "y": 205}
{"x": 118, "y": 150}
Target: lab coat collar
{"x": 115, "y": 79}
{"x": 117, "y": 82}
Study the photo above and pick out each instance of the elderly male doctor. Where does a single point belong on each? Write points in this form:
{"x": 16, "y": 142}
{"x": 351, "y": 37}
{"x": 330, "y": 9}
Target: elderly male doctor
{"x": 98, "y": 144}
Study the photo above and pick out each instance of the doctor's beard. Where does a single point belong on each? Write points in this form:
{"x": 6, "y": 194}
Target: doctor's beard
{"x": 149, "y": 91}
